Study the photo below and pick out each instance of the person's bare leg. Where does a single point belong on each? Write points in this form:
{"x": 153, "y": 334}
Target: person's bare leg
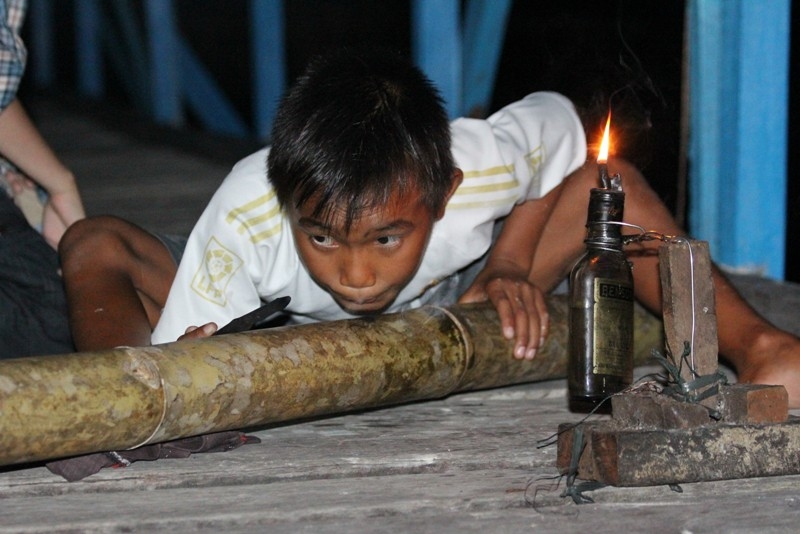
{"x": 759, "y": 352}
{"x": 117, "y": 277}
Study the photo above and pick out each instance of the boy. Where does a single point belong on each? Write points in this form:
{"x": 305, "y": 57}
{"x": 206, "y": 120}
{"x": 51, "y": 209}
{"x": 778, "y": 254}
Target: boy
{"x": 369, "y": 202}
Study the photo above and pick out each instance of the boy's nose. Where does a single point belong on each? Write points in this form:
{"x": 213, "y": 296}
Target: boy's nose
{"x": 356, "y": 272}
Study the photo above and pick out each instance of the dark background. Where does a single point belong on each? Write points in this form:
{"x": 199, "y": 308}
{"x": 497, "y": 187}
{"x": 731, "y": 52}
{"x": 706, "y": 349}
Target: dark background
{"x": 625, "y": 55}
{"x": 585, "y": 49}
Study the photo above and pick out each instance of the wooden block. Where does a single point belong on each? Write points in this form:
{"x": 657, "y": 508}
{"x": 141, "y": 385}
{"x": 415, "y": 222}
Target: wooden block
{"x": 688, "y": 304}
{"x": 567, "y": 434}
{"x": 656, "y": 411}
{"x": 622, "y": 457}
{"x": 753, "y": 404}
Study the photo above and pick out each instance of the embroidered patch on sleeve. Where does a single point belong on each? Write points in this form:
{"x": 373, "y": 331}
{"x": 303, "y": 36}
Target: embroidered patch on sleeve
{"x": 215, "y": 273}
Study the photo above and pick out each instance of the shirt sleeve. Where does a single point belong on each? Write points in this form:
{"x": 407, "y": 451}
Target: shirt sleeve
{"x": 13, "y": 54}
{"x": 217, "y": 279}
{"x": 546, "y": 129}
{"x": 533, "y": 143}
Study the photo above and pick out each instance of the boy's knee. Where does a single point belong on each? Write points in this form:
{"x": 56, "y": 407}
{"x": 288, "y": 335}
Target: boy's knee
{"x": 90, "y": 239}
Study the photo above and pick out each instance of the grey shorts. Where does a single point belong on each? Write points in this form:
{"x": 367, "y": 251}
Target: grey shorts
{"x": 175, "y": 244}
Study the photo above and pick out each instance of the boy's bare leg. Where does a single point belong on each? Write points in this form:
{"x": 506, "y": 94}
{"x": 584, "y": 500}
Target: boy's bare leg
{"x": 758, "y": 351}
{"x": 117, "y": 277}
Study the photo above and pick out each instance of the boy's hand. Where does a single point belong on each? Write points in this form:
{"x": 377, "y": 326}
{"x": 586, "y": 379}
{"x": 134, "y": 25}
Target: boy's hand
{"x": 521, "y": 307}
{"x": 199, "y": 332}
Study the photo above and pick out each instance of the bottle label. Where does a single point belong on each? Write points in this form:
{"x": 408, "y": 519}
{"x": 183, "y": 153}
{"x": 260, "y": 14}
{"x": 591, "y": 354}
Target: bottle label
{"x": 613, "y": 327}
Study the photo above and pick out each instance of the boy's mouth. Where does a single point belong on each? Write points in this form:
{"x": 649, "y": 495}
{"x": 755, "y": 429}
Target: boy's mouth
{"x": 362, "y": 306}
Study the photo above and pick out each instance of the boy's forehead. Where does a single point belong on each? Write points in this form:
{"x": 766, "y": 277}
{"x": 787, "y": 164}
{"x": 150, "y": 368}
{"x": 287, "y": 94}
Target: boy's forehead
{"x": 398, "y": 208}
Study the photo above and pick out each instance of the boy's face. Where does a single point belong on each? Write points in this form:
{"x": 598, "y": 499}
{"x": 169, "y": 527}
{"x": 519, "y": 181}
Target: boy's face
{"x": 365, "y": 268}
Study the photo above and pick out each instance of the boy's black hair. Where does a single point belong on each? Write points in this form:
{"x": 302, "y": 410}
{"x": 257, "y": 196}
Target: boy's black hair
{"x": 356, "y": 128}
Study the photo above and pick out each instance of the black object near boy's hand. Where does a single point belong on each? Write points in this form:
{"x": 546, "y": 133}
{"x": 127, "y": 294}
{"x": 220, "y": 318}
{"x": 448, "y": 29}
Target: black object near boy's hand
{"x": 250, "y": 320}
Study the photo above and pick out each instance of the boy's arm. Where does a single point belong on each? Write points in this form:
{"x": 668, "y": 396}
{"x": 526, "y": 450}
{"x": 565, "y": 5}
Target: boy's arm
{"x": 224, "y": 260}
{"x": 505, "y": 280}
{"x": 213, "y": 285}
{"x": 541, "y": 138}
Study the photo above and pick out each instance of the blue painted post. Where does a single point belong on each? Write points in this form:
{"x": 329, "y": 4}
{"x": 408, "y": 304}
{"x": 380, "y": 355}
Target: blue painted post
{"x": 269, "y": 62}
{"x": 436, "y": 46}
{"x": 484, "y": 32}
{"x": 744, "y": 137}
{"x": 88, "y": 27}
{"x": 40, "y": 19}
{"x": 164, "y": 56}
{"x": 705, "y": 29}
{"x": 205, "y": 97}
{"x": 178, "y": 76}
{"x": 127, "y": 55}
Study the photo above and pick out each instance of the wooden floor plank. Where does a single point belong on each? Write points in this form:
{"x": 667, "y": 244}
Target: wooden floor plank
{"x": 468, "y": 462}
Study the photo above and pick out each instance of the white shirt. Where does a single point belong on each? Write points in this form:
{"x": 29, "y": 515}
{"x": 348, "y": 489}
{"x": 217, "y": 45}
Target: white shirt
{"x": 242, "y": 249}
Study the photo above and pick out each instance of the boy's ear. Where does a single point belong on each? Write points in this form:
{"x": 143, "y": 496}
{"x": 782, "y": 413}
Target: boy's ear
{"x": 458, "y": 177}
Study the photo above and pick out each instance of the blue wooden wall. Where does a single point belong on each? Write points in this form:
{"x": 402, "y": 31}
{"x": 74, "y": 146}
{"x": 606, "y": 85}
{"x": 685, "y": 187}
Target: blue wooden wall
{"x": 459, "y": 52}
{"x": 739, "y": 79}
{"x": 738, "y": 53}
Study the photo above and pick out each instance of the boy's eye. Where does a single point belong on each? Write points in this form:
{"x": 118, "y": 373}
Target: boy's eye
{"x": 388, "y": 240}
{"x": 322, "y": 240}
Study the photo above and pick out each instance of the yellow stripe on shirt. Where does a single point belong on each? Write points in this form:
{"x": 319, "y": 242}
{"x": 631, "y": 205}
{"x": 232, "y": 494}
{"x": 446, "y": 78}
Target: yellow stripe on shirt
{"x": 466, "y": 189}
{"x": 255, "y": 221}
{"x": 266, "y": 234}
{"x": 488, "y": 188}
{"x": 491, "y": 171}
{"x": 253, "y": 204}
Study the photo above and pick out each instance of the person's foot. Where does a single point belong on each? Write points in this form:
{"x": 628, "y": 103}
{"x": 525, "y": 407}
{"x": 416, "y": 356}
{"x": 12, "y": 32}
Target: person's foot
{"x": 774, "y": 360}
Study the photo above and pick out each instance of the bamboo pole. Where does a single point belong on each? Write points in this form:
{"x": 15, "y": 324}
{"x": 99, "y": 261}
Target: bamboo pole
{"x": 59, "y": 406}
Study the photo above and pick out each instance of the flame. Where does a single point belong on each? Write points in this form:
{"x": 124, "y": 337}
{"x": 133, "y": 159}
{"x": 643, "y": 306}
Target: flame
{"x": 602, "y": 155}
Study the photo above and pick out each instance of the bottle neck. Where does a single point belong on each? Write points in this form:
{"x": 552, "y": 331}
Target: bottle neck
{"x": 605, "y": 208}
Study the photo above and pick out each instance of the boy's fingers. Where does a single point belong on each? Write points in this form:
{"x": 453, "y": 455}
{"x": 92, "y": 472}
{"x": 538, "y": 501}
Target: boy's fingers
{"x": 543, "y": 316}
{"x": 195, "y": 332}
{"x": 532, "y": 320}
{"x": 505, "y": 302}
{"x": 522, "y": 304}
{"x": 517, "y": 308}
{"x": 507, "y": 317}
{"x": 522, "y": 311}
